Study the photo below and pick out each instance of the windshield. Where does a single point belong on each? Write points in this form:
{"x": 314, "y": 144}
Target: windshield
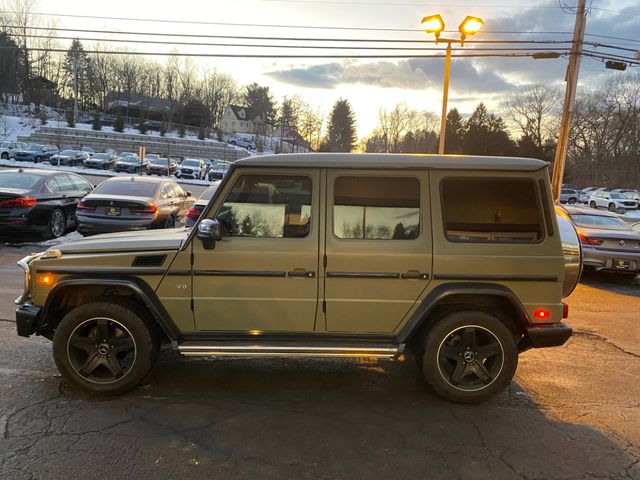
{"x": 18, "y": 180}
{"x": 191, "y": 163}
{"x": 616, "y": 195}
{"x": 68, "y": 152}
{"x": 160, "y": 161}
{"x": 127, "y": 188}
{"x": 129, "y": 159}
{"x": 101, "y": 156}
{"x": 599, "y": 222}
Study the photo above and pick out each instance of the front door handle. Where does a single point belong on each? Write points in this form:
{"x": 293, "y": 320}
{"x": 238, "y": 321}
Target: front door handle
{"x": 301, "y": 273}
{"x": 415, "y": 275}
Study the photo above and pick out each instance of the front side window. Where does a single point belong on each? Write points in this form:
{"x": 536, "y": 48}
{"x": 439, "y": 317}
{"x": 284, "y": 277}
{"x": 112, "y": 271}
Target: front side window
{"x": 491, "y": 210}
{"x": 267, "y": 206}
{"x": 376, "y": 208}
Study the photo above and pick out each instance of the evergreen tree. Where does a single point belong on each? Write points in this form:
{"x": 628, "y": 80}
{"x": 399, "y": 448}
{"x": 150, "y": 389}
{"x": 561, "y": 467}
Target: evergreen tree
{"x": 486, "y": 134}
{"x": 118, "y": 125}
{"x": 96, "y": 125}
{"x": 454, "y": 131}
{"x": 71, "y": 120}
{"x": 341, "y": 135}
{"x": 77, "y": 65}
{"x": 142, "y": 126}
{"x": 182, "y": 131}
{"x": 201, "y": 133}
{"x": 259, "y": 99}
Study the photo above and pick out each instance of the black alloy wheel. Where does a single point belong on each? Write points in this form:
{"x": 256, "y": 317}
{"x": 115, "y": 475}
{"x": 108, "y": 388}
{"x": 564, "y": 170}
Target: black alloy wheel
{"x": 469, "y": 356}
{"x": 105, "y": 347}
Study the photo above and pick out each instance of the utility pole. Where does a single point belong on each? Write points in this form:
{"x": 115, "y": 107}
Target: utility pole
{"x": 569, "y": 99}
{"x": 445, "y": 98}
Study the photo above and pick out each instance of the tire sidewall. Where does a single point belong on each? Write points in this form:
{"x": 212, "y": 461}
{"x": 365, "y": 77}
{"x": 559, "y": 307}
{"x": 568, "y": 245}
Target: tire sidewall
{"x": 438, "y": 333}
{"x": 145, "y": 341}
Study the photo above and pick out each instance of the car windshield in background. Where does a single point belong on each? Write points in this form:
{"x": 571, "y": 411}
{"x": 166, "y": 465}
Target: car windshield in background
{"x": 129, "y": 159}
{"x": 160, "y": 161}
{"x": 191, "y": 163}
{"x": 101, "y": 156}
{"x": 127, "y": 188}
{"x": 68, "y": 152}
{"x": 599, "y": 222}
{"x": 617, "y": 195}
{"x": 18, "y": 180}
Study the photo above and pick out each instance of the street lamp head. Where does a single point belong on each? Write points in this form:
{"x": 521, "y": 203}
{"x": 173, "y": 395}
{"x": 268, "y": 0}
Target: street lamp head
{"x": 433, "y": 24}
{"x": 470, "y": 26}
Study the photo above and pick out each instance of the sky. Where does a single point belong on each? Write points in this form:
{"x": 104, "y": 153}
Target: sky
{"x": 368, "y": 84}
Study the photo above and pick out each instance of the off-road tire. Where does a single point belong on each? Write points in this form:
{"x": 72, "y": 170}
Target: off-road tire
{"x": 119, "y": 317}
{"x": 440, "y": 345}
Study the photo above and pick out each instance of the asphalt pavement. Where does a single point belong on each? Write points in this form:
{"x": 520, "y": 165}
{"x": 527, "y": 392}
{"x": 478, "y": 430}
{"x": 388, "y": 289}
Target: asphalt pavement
{"x": 571, "y": 413}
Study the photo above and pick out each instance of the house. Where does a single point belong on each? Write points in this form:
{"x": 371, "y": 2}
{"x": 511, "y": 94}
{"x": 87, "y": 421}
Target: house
{"x": 237, "y": 119}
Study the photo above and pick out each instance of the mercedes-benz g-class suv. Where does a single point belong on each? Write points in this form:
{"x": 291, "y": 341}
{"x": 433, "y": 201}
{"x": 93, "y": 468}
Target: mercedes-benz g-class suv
{"x": 459, "y": 258}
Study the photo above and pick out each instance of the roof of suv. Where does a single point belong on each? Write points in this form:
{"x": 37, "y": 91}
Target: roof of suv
{"x": 394, "y": 161}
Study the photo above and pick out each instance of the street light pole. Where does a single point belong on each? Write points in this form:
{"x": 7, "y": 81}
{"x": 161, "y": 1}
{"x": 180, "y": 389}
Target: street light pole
{"x": 445, "y": 98}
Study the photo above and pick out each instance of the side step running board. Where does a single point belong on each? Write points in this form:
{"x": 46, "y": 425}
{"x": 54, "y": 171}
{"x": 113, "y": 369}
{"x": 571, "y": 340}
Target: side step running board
{"x": 231, "y": 349}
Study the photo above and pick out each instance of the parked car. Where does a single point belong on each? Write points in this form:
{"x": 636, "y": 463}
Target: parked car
{"x": 8, "y": 149}
{"x": 130, "y": 164}
{"x": 628, "y": 193}
{"x": 40, "y": 201}
{"x": 608, "y": 243}
{"x": 103, "y": 161}
{"x": 216, "y": 172}
{"x": 36, "y": 153}
{"x": 612, "y": 201}
{"x": 459, "y": 258}
{"x": 133, "y": 203}
{"x": 88, "y": 150}
{"x": 193, "y": 214}
{"x": 244, "y": 143}
{"x": 569, "y": 196}
{"x": 191, "y": 168}
{"x": 69, "y": 158}
{"x": 161, "y": 166}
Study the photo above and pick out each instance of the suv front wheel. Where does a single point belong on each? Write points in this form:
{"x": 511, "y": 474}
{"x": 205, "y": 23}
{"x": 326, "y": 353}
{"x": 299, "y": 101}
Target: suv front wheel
{"x": 104, "y": 347}
{"x": 469, "y": 356}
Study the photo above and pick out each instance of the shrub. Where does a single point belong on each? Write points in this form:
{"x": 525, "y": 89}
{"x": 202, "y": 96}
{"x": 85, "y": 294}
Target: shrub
{"x": 118, "y": 125}
{"x": 96, "y": 125}
{"x": 71, "y": 119}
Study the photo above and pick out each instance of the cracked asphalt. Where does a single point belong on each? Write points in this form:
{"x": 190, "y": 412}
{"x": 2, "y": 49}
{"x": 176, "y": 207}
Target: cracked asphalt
{"x": 571, "y": 413}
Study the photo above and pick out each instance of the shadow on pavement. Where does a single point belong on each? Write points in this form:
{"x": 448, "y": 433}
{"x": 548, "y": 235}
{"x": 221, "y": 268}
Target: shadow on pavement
{"x": 298, "y": 419}
{"x": 623, "y": 283}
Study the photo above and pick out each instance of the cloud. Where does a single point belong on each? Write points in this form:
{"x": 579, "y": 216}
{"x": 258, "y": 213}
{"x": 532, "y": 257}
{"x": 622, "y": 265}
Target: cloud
{"x": 413, "y": 74}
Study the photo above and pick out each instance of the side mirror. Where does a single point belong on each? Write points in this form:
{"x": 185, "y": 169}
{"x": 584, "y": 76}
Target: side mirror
{"x": 209, "y": 232}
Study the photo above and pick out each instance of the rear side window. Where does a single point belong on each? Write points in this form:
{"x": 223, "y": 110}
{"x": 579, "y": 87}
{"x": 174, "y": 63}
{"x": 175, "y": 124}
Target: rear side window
{"x": 491, "y": 210}
{"x": 376, "y": 208}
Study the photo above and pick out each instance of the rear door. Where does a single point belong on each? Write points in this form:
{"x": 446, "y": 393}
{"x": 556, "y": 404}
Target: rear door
{"x": 378, "y": 248}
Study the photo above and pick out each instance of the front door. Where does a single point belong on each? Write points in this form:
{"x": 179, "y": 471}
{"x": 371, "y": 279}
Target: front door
{"x": 263, "y": 275}
{"x": 378, "y": 249}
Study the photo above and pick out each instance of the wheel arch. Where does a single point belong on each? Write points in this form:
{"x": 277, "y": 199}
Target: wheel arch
{"x": 75, "y": 291}
{"x": 450, "y": 297}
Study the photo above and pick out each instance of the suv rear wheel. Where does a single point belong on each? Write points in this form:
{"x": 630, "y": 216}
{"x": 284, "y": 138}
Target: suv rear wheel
{"x": 104, "y": 347}
{"x": 469, "y": 356}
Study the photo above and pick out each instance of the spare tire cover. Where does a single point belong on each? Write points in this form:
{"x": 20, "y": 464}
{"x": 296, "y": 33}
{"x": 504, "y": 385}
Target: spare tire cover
{"x": 572, "y": 252}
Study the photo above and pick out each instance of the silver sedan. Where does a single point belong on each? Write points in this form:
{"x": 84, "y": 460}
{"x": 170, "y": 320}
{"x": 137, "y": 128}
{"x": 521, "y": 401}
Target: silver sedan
{"x": 608, "y": 243}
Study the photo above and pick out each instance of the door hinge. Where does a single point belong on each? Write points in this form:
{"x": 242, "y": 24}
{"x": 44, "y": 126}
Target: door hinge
{"x": 324, "y": 306}
{"x": 191, "y": 258}
{"x": 324, "y": 261}
{"x": 191, "y": 304}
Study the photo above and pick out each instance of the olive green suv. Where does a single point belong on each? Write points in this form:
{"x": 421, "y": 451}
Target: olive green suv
{"x": 459, "y": 259}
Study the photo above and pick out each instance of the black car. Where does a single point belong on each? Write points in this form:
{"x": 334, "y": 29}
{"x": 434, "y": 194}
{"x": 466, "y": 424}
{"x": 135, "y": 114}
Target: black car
{"x": 40, "y": 201}
{"x": 130, "y": 164}
{"x": 70, "y": 158}
{"x": 133, "y": 203}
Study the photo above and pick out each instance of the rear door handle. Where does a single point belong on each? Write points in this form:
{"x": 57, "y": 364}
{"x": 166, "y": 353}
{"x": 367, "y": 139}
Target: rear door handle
{"x": 415, "y": 275}
{"x": 301, "y": 273}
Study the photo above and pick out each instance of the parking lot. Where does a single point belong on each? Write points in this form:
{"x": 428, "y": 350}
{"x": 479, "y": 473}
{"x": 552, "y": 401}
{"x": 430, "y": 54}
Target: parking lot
{"x": 571, "y": 413}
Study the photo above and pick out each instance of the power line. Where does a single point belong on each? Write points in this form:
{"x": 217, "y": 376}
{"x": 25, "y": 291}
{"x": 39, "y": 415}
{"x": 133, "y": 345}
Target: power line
{"x": 254, "y": 45}
{"x": 293, "y": 39}
{"x": 613, "y": 37}
{"x": 244, "y": 55}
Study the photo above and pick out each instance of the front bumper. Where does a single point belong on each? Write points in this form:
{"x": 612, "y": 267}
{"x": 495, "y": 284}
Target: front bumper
{"x": 605, "y": 259}
{"x": 27, "y": 319}
{"x": 548, "y": 335}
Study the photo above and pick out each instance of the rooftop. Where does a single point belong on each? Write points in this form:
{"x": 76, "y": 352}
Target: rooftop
{"x": 394, "y": 161}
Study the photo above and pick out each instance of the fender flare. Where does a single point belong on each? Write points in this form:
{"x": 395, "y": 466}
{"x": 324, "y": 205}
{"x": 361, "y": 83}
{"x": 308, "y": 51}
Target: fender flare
{"x": 439, "y": 293}
{"x": 136, "y": 285}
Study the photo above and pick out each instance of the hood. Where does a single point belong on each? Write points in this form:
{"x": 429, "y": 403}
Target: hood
{"x": 146, "y": 240}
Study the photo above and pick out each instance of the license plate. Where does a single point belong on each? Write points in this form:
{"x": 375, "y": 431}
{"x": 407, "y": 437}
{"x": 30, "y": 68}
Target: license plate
{"x": 113, "y": 211}
{"x": 621, "y": 264}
